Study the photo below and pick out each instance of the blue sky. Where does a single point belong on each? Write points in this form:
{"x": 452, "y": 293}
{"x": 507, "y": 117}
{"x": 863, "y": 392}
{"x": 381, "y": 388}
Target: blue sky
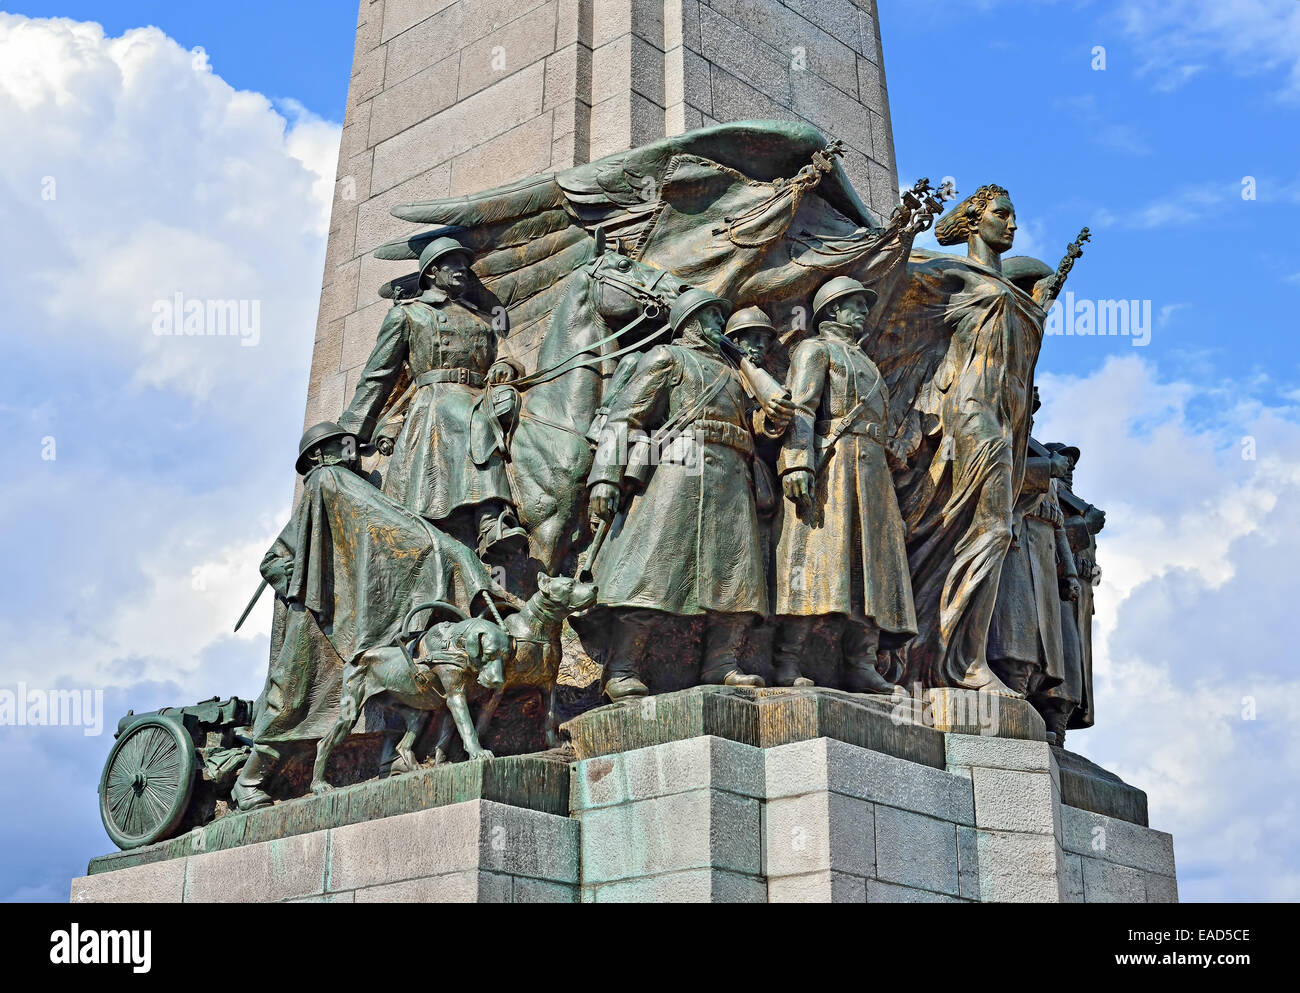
{"x": 131, "y": 551}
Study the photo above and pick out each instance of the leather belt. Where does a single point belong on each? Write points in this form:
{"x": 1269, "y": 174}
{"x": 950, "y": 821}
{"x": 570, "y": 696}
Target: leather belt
{"x": 465, "y": 377}
{"x": 710, "y": 432}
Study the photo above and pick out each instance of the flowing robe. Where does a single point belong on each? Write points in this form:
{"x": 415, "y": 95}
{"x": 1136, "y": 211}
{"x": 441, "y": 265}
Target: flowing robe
{"x": 1027, "y": 621}
{"x": 959, "y": 356}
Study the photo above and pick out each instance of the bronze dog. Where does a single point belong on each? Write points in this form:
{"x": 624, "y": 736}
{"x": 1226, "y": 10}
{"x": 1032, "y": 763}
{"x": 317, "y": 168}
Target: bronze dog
{"x": 535, "y": 662}
{"x": 432, "y": 678}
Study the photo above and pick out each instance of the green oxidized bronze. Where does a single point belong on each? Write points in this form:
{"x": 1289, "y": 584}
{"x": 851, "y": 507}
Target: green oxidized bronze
{"x": 687, "y": 414}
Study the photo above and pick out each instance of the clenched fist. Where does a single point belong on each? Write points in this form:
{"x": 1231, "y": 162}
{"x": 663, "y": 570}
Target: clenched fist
{"x": 798, "y": 487}
{"x": 604, "y": 501}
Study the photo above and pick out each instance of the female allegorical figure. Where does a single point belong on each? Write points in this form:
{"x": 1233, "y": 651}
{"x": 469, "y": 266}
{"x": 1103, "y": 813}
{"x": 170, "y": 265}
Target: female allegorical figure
{"x": 959, "y": 356}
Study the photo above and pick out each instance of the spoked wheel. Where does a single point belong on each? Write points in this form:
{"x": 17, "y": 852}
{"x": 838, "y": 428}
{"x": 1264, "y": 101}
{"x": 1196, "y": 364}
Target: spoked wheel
{"x": 147, "y": 782}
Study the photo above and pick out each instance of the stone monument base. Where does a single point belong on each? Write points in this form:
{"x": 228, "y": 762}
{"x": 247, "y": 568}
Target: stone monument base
{"x": 708, "y": 795}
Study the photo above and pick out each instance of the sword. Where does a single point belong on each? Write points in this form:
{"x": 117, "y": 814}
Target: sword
{"x": 249, "y": 609}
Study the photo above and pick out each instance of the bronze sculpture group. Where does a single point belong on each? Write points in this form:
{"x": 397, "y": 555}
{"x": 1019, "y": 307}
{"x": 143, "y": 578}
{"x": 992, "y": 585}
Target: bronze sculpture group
{"x": 731, "y": 431}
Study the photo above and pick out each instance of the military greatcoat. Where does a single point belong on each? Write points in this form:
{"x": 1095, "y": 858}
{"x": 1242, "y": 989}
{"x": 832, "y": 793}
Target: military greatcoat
{"x": 689, "y": 543}
{"x": 1026, "y": 624}
{"x": 449, "y": 453}
{"x": 845, "y": 554}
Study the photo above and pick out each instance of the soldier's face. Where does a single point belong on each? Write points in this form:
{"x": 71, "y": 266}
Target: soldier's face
{"x": 852, "y": 311}
{"x": 753, "y": 343}
{"x": 711, "y": 323}
{"x": 338, "y": 451}
{"x": 452, "y": 276}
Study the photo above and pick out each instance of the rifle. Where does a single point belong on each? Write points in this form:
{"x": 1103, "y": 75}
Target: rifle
{"x": 846, "y": 422}
{"x": 587, "y": 560}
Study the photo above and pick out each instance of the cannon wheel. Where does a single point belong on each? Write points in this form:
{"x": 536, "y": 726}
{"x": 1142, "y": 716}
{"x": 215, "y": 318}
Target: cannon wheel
{"x": 147, "y": 782}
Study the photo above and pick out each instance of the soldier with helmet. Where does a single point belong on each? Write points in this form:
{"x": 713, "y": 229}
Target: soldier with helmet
{"x": 345, "y": 541}
{"x": 752, "y": 331}
{"x": 686, "y": 547}
{"x": 841, "y": 560}
{"x": 450, "y": 455}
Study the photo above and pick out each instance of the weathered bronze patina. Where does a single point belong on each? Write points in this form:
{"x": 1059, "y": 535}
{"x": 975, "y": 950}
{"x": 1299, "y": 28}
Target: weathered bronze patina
{"x": 684, "y": 415}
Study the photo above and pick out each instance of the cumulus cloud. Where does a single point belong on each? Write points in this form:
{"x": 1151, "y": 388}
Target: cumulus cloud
{"x": 134, "y": 173}
{"x": 1197, "y": 696}
{"x": 148, "y": 472}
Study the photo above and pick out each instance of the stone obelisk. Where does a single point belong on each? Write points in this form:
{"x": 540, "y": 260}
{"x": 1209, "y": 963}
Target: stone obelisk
{"x": 453, "y": 96}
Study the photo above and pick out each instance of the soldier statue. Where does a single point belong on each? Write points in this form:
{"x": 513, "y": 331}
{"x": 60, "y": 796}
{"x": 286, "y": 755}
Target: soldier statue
{"x": 841, "y": 560}
{"x": 345, "y": 540}
{"x": 1025, "y": 642}
{"x": 687, "y": 545}
{"x": 752, "y": 331}
{"x": 1083, "y": 521}
{"x": 450, "y": 454}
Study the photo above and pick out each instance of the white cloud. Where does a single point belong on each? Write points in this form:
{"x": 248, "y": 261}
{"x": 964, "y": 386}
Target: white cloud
{"x": 140, "y": 543}
{"x": 1185, "y": 206}
{"x": 133, "y": 173}
{"x": 1093, "y": 124}
{"x": 1198, "y": 564}
{"x": 1166, "y": 314}
{"x": 1177, "y": 37}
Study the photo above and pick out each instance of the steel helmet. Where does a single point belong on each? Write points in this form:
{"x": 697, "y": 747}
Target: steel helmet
{"x": 312, "y": 437}
{"x": 838, "y": 288}
{"x": 748, "y": 318}
{"x": 440, "y": 247}
{"x": 691, "y": 302}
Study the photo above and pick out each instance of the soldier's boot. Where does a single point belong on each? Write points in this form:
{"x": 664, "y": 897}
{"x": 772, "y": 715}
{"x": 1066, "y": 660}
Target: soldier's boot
{"x": 499, "y": 533}
{"x": 861, "y": 645}
{"x": 1056, "y": 715}
{"x": 247, "y": 793}
{"x": 724, "y": 640}
{"x": 620, "y": 687}
{"x": 1014, "y": 673}
{"x": 630, "y": 632}
{"x": 787, "y": 660}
